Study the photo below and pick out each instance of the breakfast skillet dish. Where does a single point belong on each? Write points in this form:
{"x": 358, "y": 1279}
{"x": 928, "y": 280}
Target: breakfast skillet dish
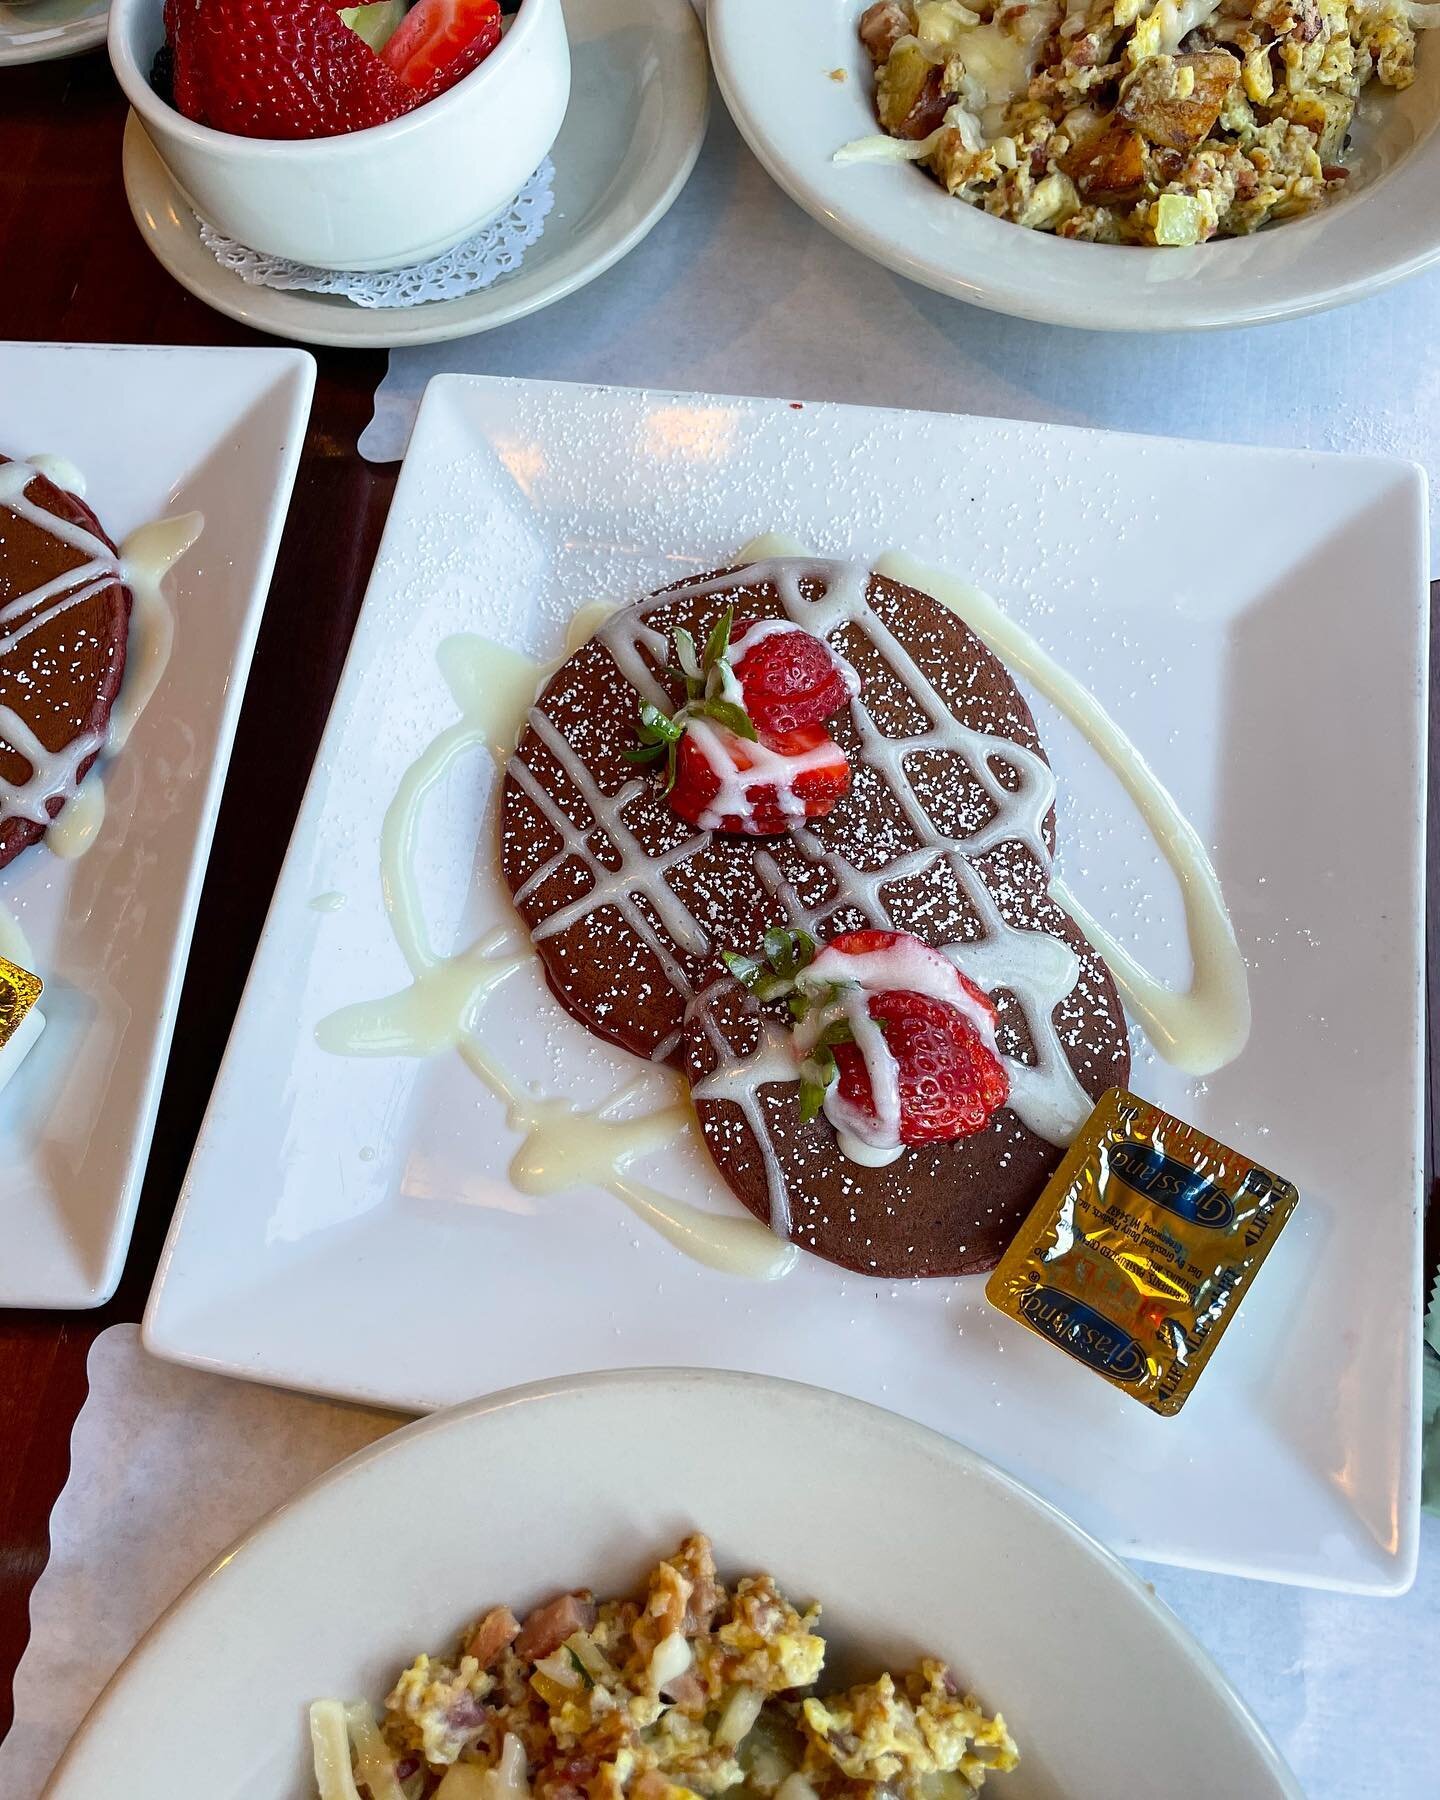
{"x": 695, "y": 1689}
{"x": 1133, "y": 121}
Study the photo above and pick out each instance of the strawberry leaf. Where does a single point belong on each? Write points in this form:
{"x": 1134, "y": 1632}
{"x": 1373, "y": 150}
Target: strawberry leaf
{"x": 788, "y": 950}
{"x": 657, "y": 728}
{"x": 817, "y": 1072}
{"x": 689, "y": 660}
{"x": 732, "y": 717}
{"x": 717, "y": 645}
{"x": 745, "y": 969}
{"x": 643, "y": 753}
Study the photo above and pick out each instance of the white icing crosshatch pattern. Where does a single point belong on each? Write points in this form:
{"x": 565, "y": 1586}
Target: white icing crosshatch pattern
{"x": 350, "y": 1224}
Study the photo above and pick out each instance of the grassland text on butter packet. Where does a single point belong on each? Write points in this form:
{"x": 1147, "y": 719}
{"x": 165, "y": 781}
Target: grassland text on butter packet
{"x": 1141, "y": 1247}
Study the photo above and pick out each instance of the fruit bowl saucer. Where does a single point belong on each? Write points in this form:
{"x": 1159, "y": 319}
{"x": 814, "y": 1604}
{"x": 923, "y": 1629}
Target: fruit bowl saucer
{"x": 638, "y": 106}
{"x": 44, "y": 30}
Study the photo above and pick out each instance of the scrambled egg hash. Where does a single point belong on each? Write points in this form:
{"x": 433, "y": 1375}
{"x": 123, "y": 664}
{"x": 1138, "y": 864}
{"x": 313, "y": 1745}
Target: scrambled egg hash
{"x": 1133, "y": 121}
{"x": 695, "y": 1689}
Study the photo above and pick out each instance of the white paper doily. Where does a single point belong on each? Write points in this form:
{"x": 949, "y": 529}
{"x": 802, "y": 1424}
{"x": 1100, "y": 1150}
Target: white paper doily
{"x": 497, "y": 249}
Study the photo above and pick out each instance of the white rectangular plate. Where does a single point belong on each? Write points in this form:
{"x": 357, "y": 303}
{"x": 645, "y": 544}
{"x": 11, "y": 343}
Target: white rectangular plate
{"x": 153, "y": 432}
{"x": 1256, "y": 619}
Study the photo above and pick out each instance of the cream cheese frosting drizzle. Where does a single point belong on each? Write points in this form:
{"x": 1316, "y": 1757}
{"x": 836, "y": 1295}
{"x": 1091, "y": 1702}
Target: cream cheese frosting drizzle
{"x": 146, "y": 556}
{"x": 1207, "y": 1025}
{"x": 562, "y": 1145}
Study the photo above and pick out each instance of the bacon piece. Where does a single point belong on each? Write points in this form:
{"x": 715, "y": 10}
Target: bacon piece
{"x": 689, "y": 1693}
{"x": 928, "y": 110}
{"x": 547, "y": 1627}
{"x": 495, "y": 1632}
{"x": 881, "y": 28}
{"x": 695, "y": 1560}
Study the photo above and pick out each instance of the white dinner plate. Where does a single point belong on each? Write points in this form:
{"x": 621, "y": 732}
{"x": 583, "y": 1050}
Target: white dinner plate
{"x": 350, "y": 1225}
{"x": 154, "y": 432}
{"x": 639, "y": 97}
{"x": 912, "y": 1544}
{"x": 777, "y": 67}
{"x": 41, "y": 30}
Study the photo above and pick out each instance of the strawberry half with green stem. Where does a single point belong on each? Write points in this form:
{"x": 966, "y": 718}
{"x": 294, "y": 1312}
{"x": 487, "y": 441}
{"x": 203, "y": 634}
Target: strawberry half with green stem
{"x": 943, "y": 1076}
{"x": 279, "y": 69}
{"x": 723, "y": 774}
{"x": 441, "y": 41}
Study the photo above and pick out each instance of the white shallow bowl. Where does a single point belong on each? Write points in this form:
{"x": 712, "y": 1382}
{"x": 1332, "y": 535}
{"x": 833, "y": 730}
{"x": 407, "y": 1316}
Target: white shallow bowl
{"x": 912, "y": 1543}
{"x": 775, "y": 68}
{"x": 378, "y": 199}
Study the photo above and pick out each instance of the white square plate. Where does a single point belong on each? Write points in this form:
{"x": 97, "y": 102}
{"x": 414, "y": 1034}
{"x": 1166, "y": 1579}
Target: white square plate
{"x": 1258, "y": 622}
{"x": 154, "y": 432}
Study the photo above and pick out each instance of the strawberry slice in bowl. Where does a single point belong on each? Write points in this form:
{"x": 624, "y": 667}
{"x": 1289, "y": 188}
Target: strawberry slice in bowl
{"x": 278, "y": 69}
{"x": 441, "y": 41}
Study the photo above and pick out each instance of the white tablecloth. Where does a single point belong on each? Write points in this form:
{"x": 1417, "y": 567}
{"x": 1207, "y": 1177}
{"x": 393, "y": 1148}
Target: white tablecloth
{"x": 169, "y": 1465}
{"x": 738, "y": 291}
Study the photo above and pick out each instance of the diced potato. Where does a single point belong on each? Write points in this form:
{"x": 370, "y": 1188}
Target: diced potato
{"x": 1153, "y": 103}
{"x": 1178, "y": 219}
{"x": 941, "y": 24}
{"x": 1108, "y": 166}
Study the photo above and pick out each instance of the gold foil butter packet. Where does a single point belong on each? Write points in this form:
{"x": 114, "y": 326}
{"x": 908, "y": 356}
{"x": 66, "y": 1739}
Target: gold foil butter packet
{"x": 1141, "y": 1247}
{"x": 21, "y": 1020}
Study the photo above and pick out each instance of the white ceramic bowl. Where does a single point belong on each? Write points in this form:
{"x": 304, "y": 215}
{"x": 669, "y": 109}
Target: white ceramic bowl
{"x": 377, "y": 199}
{"x": 912, "y": 1543}
{"x": 774, "y": 65}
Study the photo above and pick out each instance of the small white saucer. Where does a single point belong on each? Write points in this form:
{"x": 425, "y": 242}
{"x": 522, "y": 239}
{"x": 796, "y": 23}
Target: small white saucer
{"x": 638, "y": 105}
{"x": 46, "y": 29}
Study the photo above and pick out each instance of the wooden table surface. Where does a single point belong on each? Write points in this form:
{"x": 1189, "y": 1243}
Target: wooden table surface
{"x": 73, "y": 268}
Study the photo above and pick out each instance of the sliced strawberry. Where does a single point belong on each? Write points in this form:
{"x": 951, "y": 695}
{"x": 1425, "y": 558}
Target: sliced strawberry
{"x": 864, "y": 943}
{"x": 821, "y": 778}
{"x": 441, "y": 41}
{"x": 790, "y": 679}
{"x": 825, "y": 781}
{"x": 950, "y": 1083}
{"x": 283, "y": 69}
